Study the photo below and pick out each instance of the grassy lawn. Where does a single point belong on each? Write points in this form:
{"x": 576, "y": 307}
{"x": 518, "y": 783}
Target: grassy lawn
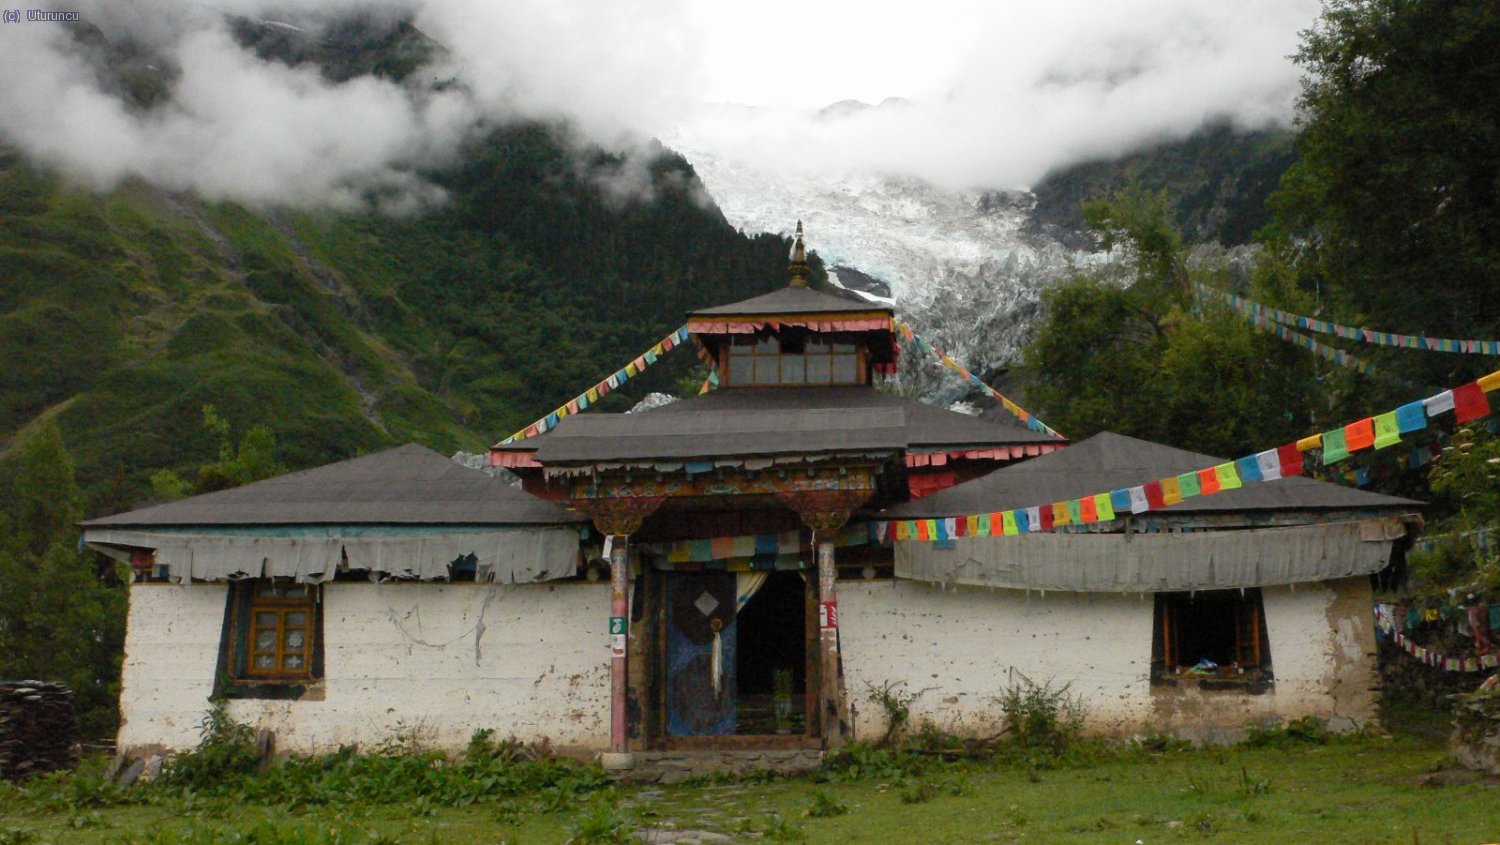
{"x": 1387, "y": 790}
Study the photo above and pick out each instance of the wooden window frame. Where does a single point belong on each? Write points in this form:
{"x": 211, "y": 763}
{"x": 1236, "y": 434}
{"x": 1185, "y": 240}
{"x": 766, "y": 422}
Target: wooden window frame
{"x": 1251, "y": 669}
{"x": 281, "y": 607}
{"x": 248, "y": 600}
{"x": 745, "y": 347}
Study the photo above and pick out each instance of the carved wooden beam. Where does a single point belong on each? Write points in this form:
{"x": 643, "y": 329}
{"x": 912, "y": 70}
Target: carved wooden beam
{"x": 620, "y": 516}
{"x": 825, "y": 510}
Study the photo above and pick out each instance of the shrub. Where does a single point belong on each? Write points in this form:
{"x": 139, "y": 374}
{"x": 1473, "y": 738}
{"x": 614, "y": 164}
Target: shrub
{"x": 1040, "y": 717}
{"x": 226, "y": 753}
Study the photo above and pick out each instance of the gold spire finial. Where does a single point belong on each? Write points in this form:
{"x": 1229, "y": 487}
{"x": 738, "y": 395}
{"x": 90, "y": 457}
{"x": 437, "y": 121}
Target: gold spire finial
{"x": 798, "y": 267}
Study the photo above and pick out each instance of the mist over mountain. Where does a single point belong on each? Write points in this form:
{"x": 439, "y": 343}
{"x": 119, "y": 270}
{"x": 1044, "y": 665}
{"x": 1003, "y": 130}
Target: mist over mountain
{"x": 354, "y": 225}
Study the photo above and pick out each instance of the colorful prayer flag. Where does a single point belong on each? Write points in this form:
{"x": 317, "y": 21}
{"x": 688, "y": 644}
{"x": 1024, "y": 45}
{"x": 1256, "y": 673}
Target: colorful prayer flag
{"x": 1170, "y": 491}
{"x": 1154, "y": 495}
{"x": 1387, "y": 430}
{"x": 1359, "y": 434}
{"x": 1269, "y": 464}
{"x": 1291, "y": 459}
{"x": 1411, "y": 417}
{"x": 1060, "y": 515}
{"x": 1208, "y": 481}
{"x": 1438, "y": 404}
{"x": 1248, "y": 468}
{"x": 1228, "y": 478}
{"x": 1104, "y": 505}
{"x": 1469, "y": 403}
{"x": 1334, "y": 448}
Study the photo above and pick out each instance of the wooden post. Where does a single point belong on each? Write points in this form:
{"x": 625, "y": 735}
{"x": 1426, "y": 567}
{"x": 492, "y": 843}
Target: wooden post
{"x": 617, "y": 519}
{"x": 830, "y": 700}
{"x": 619, "y": 614}
{"x": 826, "y": 511}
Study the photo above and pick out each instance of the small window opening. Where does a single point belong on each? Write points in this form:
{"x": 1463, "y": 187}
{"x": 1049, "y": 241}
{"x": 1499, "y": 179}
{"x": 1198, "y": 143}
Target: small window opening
{"x": 1216, "y": 638}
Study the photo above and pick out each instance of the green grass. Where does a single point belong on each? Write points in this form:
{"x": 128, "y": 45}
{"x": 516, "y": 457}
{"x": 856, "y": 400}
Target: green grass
{"x": 1365, "y": 790}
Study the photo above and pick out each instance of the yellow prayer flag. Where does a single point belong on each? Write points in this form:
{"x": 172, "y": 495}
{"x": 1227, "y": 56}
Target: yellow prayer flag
{"x": 1228, "y": 477}
{"x": 1104, "y": 507}
{"x": 1171, "y": 490}
{"x": 1490, "y": 382}
{"x": 1387, "y": 431}
{"x": 1313, "y": 442}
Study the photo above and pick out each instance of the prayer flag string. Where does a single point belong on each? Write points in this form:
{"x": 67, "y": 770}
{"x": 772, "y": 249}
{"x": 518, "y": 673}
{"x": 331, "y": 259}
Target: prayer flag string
{"x": 1363, "y": 335}
{"x": 1015, "y": 410}
{"x": 1467, "y": 402}
{"x": 583, "y": 400}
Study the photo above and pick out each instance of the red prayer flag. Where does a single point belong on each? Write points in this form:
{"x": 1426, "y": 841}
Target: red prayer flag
{"x": 1088, "y": 509}
{"x": 1046, "y": 512}
{"x": 1291, "y": 459}
{"x": 1154, "y": 496}
{"x": 1470, "y": 403}
{"x": 961, "y": 527}
{"x": 922, "y": 529}
{"x": 1208, "y": 481}
{"x": 1360, "y": 435}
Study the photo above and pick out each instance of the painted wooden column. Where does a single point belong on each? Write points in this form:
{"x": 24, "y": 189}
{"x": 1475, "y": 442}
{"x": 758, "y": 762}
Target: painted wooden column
{"x": 830, "y": 690}
{"x": 619, "y": 615}
{"x": 826, "y": 511}
{"x": 617, "y": 519}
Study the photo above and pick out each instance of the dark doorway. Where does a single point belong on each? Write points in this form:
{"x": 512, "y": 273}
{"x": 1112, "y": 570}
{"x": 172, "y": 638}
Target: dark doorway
{"x": 772, "y": 657}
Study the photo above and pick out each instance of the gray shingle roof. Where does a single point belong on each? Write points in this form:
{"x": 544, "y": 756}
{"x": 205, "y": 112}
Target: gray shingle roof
{"x": 790, "y": 300}
{"x": 774, "y": 421}
{"x": 1109, "y": 461}
{"x": 406, "y": 485}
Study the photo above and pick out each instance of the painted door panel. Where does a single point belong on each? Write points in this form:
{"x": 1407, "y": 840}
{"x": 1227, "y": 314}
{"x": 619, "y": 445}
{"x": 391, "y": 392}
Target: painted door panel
{"x": 699, "y": 605}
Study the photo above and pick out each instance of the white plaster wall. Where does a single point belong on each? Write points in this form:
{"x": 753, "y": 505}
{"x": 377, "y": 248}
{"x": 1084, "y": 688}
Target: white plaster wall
{"x": 171, "y": 649}
{"x": 429, "y": 663}
{"x": 958, "y": 646}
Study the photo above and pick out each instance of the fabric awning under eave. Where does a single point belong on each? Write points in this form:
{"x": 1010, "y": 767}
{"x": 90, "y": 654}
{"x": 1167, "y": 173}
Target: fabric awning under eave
{"x": 1149, "y": 563}
{"x": 508, "y": 555}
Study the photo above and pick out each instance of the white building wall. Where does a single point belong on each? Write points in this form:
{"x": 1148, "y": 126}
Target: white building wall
{"x": 426, "y": 663}
{"x": 958, "y": 647}
{"x": 171, "y": 649}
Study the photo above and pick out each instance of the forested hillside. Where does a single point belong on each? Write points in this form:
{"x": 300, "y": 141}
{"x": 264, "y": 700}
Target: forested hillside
{"x": 1216, "y": 180}
{"x": 122, "y": 314}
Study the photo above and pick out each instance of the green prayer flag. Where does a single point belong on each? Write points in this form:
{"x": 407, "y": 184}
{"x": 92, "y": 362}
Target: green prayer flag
{"x": 1104, "y": 507}
{"x": 1075, "y": 511}
{"x": 1229, "y": 478}
{"x": 1334, "y": 447}
{"x": 1008, "y": 522}
{"x": 1387, "y": 432}
{"x": 1188, "y": 484}
{"x": 984, "y": 525}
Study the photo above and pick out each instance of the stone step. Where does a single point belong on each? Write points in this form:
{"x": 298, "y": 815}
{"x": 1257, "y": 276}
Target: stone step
{"x": 676, "y": 766}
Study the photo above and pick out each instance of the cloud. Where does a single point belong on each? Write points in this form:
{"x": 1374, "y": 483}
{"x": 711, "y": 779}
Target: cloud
{"x": 1016, "y": 93}
{"x": 994, "y": 94}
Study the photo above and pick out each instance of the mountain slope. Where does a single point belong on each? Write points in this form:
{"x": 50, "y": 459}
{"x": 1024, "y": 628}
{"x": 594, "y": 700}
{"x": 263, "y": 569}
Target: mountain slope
{"x": 122, "y": 314}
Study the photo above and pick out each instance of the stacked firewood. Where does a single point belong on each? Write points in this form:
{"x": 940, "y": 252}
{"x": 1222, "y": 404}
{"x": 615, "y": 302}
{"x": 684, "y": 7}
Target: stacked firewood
{"x": 37, "y": 731}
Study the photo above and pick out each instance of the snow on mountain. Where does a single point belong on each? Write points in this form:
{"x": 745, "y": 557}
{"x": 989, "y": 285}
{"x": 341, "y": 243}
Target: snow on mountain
{"x": 965, "y": 269}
